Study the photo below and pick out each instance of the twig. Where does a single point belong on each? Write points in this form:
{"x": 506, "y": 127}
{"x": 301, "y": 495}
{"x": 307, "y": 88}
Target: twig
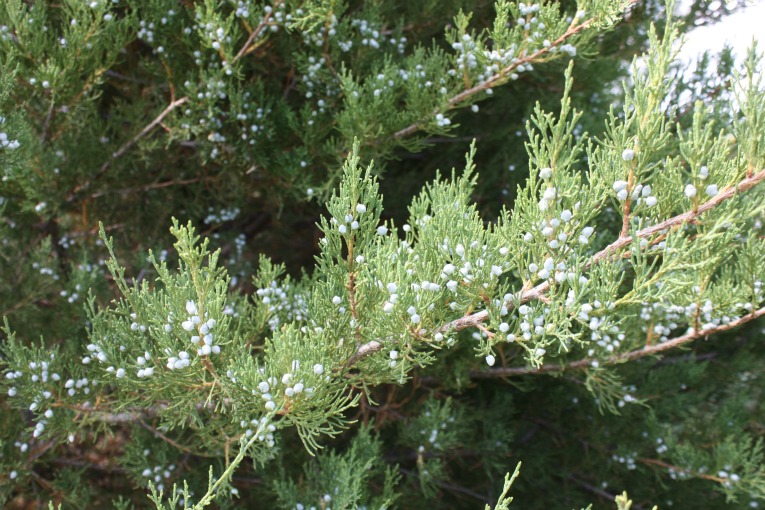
{"x": 163, "y": 437}
{"x": 502, "y": 74}
{"x": 627, "y": 204}
{"x": 54, "y": 492}
{"x": 126, "y": 147}
{"x": 352, "y": 289}
{"x": 151, "y": 125}
{"x": 620, "y": 358}
{"x": 250, "y": 40}
{"x": 89, "y": 465}
{"x": 657, "y": 462}
{"x": 48, "y": 118}
{"x": 622, "y": 242}
{"x": 136, "y": 414}
{"x": 593, "y": 489}
{"x": 687, "y": 357}
{"x": 680, "y": 219}
{"x": 147, "y": 187}
{"x": 115, "y": 74}
{"x": 364, "y": 351}
{"x": 448, "y": 486}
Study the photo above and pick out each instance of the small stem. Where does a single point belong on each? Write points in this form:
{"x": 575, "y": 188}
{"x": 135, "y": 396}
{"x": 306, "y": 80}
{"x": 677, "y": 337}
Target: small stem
{"x": 254, "y": 34}
{"x": 483, "y": 328}
{"x": 352, "y": 289}
{"x": 148, "y": 187}
{"x": 211, "y": 492}
{"x": 163, "y": 437}
{"x": 648, "y": 350}
{"x": 496, "y": 78}
{"x": 126, "y": 147}
{"x": 627, "y": 204}
{"x": 657, "y": 462}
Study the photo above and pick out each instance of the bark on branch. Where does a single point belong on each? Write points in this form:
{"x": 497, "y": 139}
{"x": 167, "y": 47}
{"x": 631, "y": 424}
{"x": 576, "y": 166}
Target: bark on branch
{"x": 651, "y": 350}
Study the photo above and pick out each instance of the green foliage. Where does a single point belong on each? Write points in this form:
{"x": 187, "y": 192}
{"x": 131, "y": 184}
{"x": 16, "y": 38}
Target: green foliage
{"x": 381, "y": 353}
{"x": 342, "y": 480}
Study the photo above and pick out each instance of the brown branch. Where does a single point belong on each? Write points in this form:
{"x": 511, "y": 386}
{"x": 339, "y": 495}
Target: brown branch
{"x": 696, "y": 474}
{"x": 57, "y": 494}
{"x": 254, "y": 34}
{"x": 496, "y": 78}
{"x": 627, "y": 204}
{"x": 163, "y": 437}
{"x": 621, "y": 242}
{"x": 148, "y": 187}
{"x": 687, "y": 217}
{"x": 447, "y": 486}
{"x": 151, "y": 125}
{"x": 48, "y": 118}
{"x": 124, "y": 416}
{"x": 126, "y": 147}
{"x": 485, "y": 330}
{"x": 364, "y": 351}
{"x": 540, "y": 290}
{"x": 593, "y": 489}
{"x": 135, "y": 414}
{"x": 619, "y": 358}
{"x": 352, "y": 289}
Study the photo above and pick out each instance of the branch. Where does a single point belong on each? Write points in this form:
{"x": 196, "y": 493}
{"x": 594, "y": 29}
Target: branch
{"x": 135, "y": 414}
{"x": 447, "y": 486}
{"x": 246, "y": 47}
{"x": 619, "y": 358}
{"x": 657, "y": 462}
{"x": 478, "y": 318}
{"x": 622, "y": 242}
{"x": 497, "y": 78}
{"x": 680, "y": 219}
{"x": 540, "y": 290}
{"x": 126, "y": 147}
{"x": 148, "y": 187}
{"x": 593, "y": 489}
{"x": 364, "y": 351}
{"x": 502, "y": 74}
{"x": 151, "y": 125}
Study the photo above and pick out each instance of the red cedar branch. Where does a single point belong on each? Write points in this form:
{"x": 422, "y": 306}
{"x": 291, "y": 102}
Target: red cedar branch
{"x": 534, "y": 293}
{"x": 496, "y": 78}
{"x": 539, "y": 291}
{"x": 246, "y": 47}
{"x": 677, "y": 469}
{"x": 147, "y": 187}
{"x": 132, "y": 415}
{"x": 150, "y": 126}
{"x": 364, "y": 351}
{"x": 127, "y": 146}
{"x": 619, "y": 358}
{"x": 504, "y": 73}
